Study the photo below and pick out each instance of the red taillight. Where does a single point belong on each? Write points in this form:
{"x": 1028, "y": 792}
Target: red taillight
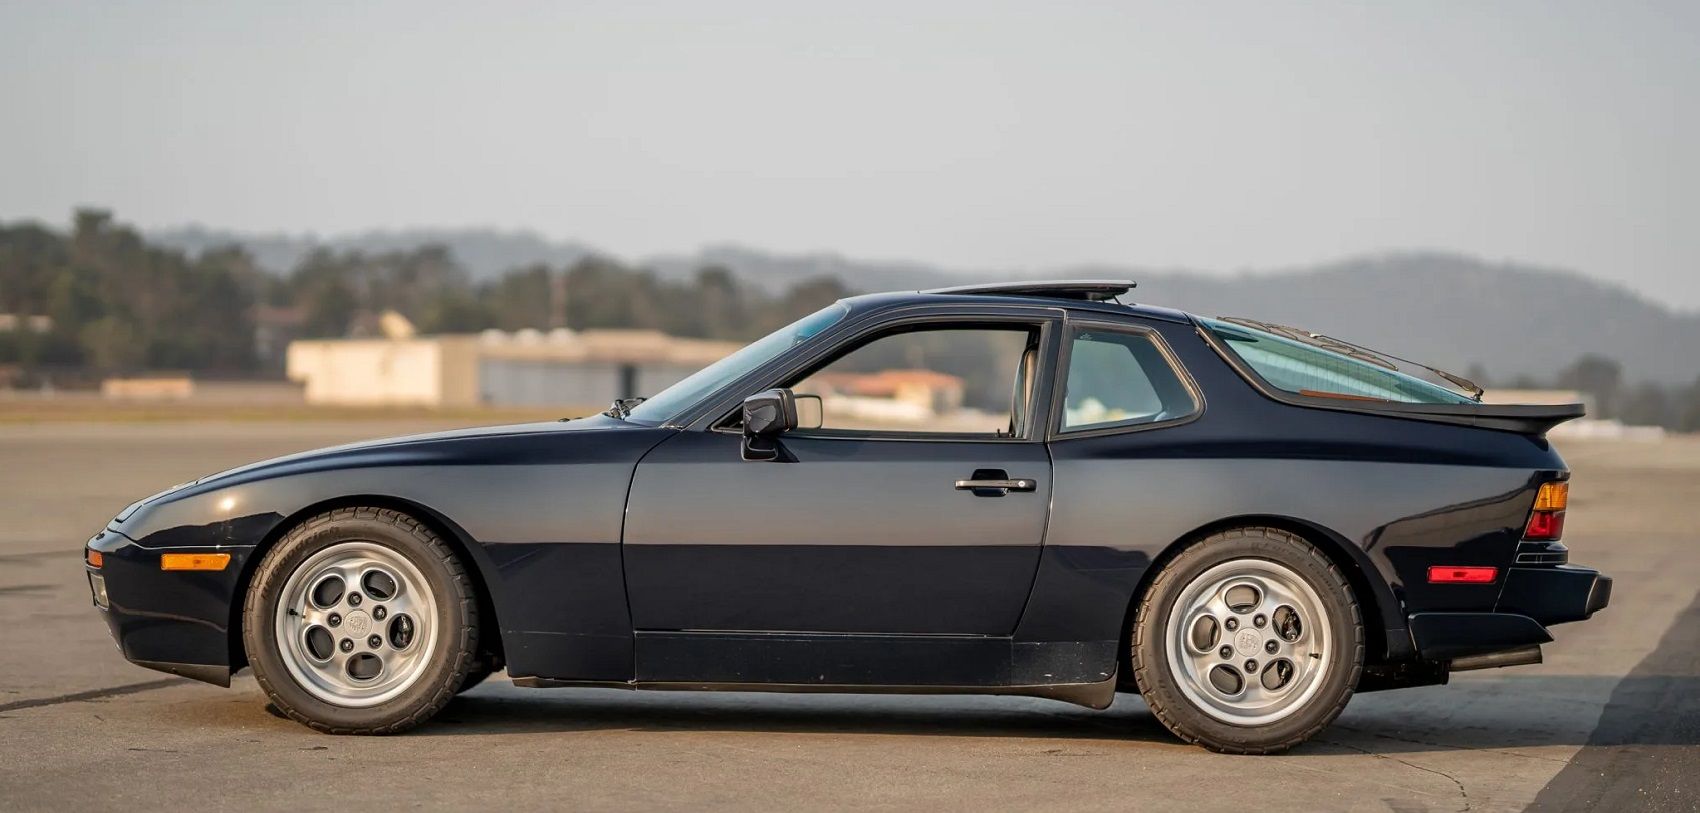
{"x": 1545, "y": 526}
{"x": 1445, "y": 574}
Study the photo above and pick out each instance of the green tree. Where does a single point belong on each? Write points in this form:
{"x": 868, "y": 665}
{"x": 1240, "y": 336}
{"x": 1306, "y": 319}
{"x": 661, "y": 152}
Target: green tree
{"x": 1597, "y": 376}
{"x": 1647, "y": 405}
{"x": 523, "y": 297}
{"x": 1689, "y": 420}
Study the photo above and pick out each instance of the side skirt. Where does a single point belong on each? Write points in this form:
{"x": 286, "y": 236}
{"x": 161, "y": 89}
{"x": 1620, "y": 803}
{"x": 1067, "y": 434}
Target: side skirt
{"x": 840, "y": 659}
{"x": 206, "y": 673}
{"x": 1098, "y": 695}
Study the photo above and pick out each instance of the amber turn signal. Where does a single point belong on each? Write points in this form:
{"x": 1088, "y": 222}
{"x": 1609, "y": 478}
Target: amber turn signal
{"x": 1552, "y": 497}
{"x": 194, "y": 561}
{"x": 92, "y": 556}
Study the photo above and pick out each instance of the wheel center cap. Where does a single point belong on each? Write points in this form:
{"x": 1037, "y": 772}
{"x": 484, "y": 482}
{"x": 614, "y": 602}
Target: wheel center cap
{"x": 359, "y": 623}
{"x": 1247, "y": 642}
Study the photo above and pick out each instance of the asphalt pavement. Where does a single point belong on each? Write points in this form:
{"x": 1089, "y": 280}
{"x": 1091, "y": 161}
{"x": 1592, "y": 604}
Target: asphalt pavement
{"x": 1611, "y": 721}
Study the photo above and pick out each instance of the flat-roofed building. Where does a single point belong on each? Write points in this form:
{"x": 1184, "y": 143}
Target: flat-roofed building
{"x": 522, "y": 368}
{"x": 1498, "y": 395}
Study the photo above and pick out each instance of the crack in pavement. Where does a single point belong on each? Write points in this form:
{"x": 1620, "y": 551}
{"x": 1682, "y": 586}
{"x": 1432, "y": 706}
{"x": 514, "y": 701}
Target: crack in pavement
{"x": 1461, "y": 791}
{"x": 1476, "y": 748}
{"x": 1348, "y": 775}
{"x": 92, "y": 694}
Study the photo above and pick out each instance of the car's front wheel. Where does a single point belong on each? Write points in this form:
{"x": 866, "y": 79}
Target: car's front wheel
{"x": 1249, "y": 641}
{"x": 361, "y": 621}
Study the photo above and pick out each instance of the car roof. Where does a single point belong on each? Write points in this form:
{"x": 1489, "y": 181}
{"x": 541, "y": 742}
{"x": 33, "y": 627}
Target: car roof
{"x": 1076, "y": 295}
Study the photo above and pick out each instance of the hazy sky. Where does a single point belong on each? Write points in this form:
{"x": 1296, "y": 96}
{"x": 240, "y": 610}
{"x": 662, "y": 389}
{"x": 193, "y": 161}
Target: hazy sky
{"x": 1217, "y": 136}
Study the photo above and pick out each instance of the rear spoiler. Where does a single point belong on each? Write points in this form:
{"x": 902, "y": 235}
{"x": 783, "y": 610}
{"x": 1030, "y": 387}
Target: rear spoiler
{"x": 1527, "y": 419}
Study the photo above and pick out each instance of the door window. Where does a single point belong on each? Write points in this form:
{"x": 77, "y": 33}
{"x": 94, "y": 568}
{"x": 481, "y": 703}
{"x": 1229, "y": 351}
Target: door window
{"x": 1117, "y": 379}
{"x": 953, "y": 381}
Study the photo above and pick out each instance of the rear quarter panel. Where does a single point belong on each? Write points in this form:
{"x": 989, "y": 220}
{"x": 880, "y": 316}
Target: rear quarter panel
{"x": 1391, "y": 495}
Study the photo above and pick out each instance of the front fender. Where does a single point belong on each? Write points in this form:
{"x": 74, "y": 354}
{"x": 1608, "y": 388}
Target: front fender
{"x": 538, "y": 516}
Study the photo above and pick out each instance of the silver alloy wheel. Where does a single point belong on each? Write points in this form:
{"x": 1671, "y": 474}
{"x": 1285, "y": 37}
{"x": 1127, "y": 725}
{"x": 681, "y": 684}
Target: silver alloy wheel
{"x": 1248, "y": 642}
{"x": 356, "y": 624}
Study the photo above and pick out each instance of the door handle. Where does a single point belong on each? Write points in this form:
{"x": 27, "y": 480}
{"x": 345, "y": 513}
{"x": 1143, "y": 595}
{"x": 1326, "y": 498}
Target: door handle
{"x": 1006, "y": 485}
{"x": 994, "y": 483}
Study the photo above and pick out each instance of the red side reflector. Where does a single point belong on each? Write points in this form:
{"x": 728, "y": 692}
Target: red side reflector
{"x": 1442, "y": 574}
{"x": 1545, "y": 526}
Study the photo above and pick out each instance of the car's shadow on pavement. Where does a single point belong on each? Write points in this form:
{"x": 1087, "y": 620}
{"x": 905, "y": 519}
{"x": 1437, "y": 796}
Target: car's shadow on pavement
{"x": 1503, "y": 713}
{"x": 604, "y": 709}
{"x": 1527, "y": 711}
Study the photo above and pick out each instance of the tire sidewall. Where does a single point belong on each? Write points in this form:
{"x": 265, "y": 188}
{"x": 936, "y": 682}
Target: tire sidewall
{"x": 1160, "y": 685}
{"x": 448, "y": 668}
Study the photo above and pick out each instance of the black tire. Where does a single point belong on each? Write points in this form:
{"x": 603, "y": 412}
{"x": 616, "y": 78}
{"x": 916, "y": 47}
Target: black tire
{"x": 473, "y": 678}
{"x": 1159, "y": 684}
{"x": 456, "y": 623}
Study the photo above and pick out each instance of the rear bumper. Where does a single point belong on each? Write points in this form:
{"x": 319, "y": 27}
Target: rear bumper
{"x": 1531, "y": 599}
{"x": 177, "y": 622}
{"x": 1554, "y": 595}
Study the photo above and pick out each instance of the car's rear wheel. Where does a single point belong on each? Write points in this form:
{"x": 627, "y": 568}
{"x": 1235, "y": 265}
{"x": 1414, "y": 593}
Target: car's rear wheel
{"x": 361, "y": 621}
{"x": 1249, "y": 641}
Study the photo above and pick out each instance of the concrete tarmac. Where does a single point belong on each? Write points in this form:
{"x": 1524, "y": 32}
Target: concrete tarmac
{"x": 1609, "y": 722}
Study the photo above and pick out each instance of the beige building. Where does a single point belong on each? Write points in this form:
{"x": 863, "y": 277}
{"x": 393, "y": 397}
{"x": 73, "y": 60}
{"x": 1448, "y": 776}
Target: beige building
{"x": 523, "y": 368}
{"x": 164, "y": 387}
{"x": 1548, "y": 397}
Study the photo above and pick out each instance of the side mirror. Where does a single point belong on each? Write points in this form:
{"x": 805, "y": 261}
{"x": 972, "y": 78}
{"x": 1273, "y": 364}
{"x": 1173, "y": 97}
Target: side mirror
{"x": 767, "y": 415}
{"x": 811, "y": 412}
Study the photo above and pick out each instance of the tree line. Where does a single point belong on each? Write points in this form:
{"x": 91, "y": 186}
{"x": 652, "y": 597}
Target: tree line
{"x": 1613, "y": 396}
{"x": 117, "y": 304}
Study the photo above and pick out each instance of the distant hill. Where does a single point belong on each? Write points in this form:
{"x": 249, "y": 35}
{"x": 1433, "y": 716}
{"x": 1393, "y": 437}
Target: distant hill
{"x": 1445, "y": 309}
{"x": 1455, "y": 312}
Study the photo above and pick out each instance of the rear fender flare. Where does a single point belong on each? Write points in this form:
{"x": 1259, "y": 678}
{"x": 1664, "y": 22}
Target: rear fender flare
{"x": 1384, "y": 618}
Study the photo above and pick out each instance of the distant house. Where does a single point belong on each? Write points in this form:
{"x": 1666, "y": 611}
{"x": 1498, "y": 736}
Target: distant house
{"x": 161, "y": 386}
{"x": 1546, "y": 397}
{"x": 523, "y": 368}
{"x": 25, "y": 323}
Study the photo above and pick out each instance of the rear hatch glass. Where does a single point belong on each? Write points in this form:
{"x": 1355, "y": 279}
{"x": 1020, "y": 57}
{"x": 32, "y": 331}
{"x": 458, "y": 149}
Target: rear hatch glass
{"x": 1311, "y": 364}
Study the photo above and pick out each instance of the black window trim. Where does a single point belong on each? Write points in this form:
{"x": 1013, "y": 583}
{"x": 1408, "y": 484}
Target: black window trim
{"x": 1048, "y": 321}
{"x": 1075, "y": 327}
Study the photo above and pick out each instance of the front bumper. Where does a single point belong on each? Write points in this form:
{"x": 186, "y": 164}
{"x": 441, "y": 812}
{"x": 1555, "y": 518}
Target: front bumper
{"x": 1530, "y": 600}
{"x": 176, "y": 621}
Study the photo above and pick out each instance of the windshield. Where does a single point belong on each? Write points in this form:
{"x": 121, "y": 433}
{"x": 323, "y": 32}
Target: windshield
{"x": 681, "y": 396}
{"x": 1326, "y": 368}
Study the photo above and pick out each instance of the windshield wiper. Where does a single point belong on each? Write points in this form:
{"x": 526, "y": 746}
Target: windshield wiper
{"x": 622, "y": 407}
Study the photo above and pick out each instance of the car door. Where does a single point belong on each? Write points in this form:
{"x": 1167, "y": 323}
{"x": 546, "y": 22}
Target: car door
{"x": 872, "y": 523}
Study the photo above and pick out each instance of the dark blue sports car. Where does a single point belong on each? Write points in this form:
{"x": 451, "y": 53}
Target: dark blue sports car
{"x": 1027, "y": 489}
